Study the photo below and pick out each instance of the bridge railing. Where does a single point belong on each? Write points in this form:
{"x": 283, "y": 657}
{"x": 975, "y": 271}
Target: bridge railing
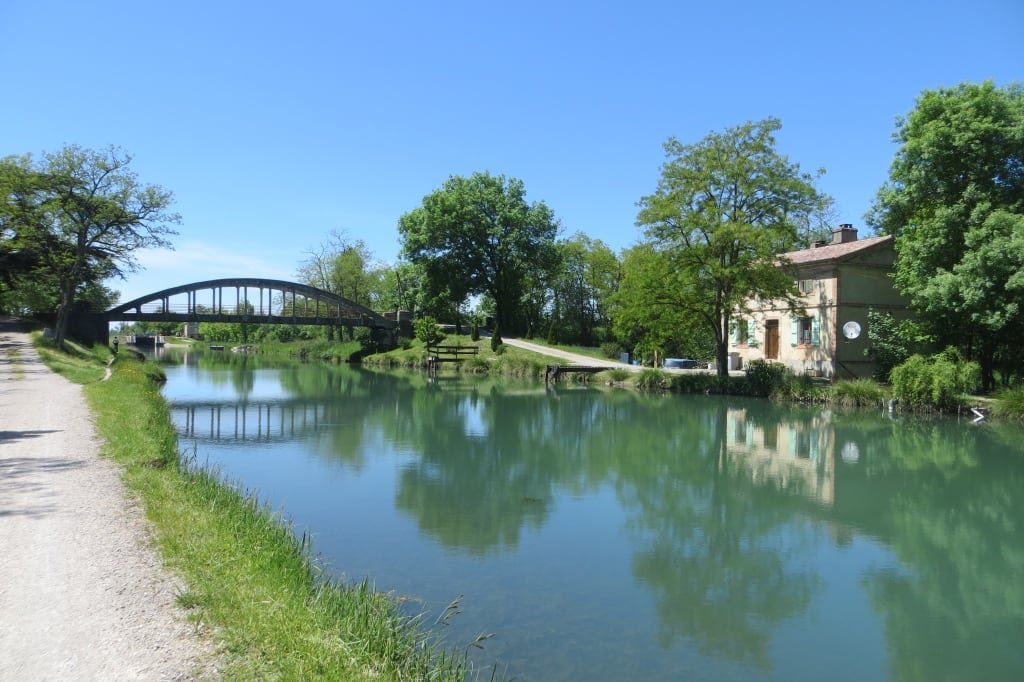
{"x": 156, "y": 307}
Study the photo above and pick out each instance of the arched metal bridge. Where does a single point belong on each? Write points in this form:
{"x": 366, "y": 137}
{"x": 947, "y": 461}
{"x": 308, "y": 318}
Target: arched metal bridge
{"x": 248, "y": 299}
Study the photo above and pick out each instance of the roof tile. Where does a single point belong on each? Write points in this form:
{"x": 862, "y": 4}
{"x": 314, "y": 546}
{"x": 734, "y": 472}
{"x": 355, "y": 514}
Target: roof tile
{"x": 833, "y": 251}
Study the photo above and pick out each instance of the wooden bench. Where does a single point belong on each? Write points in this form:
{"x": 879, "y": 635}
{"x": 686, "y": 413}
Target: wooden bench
{"x": 453, "y": 350}
{"x": 438, "y": 354}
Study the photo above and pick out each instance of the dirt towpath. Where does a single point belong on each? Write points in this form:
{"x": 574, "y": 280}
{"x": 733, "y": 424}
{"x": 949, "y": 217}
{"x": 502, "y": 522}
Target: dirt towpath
{"x": 574, "y": 358}
{"x": 83, "y": 594}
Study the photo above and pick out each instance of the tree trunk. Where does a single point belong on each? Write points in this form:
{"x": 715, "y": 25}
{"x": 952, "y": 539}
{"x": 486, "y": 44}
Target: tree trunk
{"x": 987, "y": 362}
{"x": 722, "y": 346}
{"x": 67, "y": 299}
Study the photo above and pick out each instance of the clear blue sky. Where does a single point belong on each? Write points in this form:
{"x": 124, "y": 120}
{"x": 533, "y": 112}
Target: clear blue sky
{"x": 275, "y": 123}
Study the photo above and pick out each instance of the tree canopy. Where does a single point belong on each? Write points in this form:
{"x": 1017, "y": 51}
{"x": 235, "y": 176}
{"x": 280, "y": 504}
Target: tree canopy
{"x": 723, "y": 209}
{"x": 479, "y": 236}
{"x": 74, "y": 219}
{"x": 955, "y": 203}
{"x": 587, "y": 276}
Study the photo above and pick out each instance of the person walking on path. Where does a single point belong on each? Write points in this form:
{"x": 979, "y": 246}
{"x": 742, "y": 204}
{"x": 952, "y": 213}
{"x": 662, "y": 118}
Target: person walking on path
{"x": 83, "y": 594}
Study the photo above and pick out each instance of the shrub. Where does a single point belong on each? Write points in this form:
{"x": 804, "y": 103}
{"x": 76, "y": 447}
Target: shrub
{"x": 698, "y": 383}
{"x": 892, "y": 342}
{"x": 496, "y": 338}
{"x": 765, "y": 378}
{"x": 617, "y": 374}
{"x": 427, "y": 331}
{"x": 652, "y": 379}
{"x": 474, "y": 334}
{"x": 938, "y": 382}
{"x": 794, "y": 387}
{"x": 611, "y": 349}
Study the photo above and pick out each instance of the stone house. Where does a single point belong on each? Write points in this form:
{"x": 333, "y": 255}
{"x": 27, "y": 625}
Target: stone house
{"x": 839, "y": 282}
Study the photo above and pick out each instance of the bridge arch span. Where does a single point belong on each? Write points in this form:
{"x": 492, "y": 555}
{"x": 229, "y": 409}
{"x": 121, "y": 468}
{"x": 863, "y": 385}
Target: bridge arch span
{"x": 249, "y": 299}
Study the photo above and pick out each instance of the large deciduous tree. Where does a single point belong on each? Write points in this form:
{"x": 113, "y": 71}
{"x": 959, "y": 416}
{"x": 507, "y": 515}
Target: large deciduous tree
{"x": 587, "y": 276}
{"x": 479, "y": 236}
{"x": 955, "y": 203}
{"x": 651, "y": 309}
{"x": 82, "y": 215}
{"x": 24, "y": 239}
{"x": 345, "y": 268}
{"x": 724, "y": 208}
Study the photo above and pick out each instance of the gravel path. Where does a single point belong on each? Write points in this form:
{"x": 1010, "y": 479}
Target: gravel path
{"x": 574, "y": 358}
{"x": 83, "y": 594}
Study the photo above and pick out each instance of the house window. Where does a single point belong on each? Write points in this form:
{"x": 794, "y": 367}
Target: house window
{"x": 806, "y": 286}
{"x": 741, "y": 329}
{"x": 804, "y": 334}
{"x": 805, "y": 331}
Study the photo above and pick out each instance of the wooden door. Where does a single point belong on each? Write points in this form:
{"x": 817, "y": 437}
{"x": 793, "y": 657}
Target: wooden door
{"x": 771, "y": 339}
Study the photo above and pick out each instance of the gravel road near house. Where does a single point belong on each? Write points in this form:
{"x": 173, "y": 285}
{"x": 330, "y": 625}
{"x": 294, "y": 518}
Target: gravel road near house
{"x": 83, "y": 594}
{"x": 567, "y": 356}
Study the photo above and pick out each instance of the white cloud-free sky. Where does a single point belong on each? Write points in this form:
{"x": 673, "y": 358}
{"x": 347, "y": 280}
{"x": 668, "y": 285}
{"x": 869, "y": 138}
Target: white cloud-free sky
{"x": 276, "y": 123}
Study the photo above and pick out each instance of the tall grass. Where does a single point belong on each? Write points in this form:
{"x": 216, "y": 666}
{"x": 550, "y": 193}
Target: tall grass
{"x": 249, "y": 578}
{"x": 618, "y": 375}
{"x": 858, "y": 393}
{"x": 516, "y": 364}
{"x": 652, "y": 379}
{"x": 1009, "y": 403}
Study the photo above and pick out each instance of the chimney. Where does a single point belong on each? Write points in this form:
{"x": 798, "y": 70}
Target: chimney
{"x": 844, "y": 233}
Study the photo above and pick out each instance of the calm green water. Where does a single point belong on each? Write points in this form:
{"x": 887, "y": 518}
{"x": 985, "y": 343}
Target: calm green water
{"x": 616, "y": 536}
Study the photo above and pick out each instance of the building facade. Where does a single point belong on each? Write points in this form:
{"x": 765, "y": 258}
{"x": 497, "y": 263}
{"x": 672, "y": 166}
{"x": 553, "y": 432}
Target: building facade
{"x": 839, "y": 282}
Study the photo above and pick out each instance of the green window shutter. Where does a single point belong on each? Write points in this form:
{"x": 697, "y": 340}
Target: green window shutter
{"x": 815, "y": 331}
{"x": 733, "y": 333}
{"x": 794, "y": 332}
{"x": 752, "y": 332}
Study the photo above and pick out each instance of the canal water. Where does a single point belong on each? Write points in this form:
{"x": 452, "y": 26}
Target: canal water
{"x": 612, "y": 535}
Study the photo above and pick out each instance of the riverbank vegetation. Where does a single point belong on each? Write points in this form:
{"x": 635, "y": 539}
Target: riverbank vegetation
{"x": 250, "y": 580}
{"x": 503, "y": 360}
{"x": 76, "y": 362}
{"x": 477, "y": 253}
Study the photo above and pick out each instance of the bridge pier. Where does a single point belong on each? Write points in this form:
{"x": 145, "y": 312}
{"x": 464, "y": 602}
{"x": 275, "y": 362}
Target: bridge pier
{"x": 89, "y": 327}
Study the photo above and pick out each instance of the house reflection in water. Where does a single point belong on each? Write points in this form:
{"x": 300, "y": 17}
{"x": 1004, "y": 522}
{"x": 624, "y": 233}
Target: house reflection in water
{"x": 794, "y": 456}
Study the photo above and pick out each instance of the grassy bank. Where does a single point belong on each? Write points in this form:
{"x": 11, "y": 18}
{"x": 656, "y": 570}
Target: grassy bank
{"x": 249, "y": 578}
{"x": 506, "y": 361}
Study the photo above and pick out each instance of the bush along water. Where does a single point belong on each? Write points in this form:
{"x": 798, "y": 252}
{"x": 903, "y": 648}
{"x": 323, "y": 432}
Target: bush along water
{"x": 1010, "y": 403}
{"x": 936, "y": 383}
{"x": 765, "y": 378}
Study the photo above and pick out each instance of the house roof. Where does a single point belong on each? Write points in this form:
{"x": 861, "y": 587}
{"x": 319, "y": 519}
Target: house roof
{"x": 834, "y": 252}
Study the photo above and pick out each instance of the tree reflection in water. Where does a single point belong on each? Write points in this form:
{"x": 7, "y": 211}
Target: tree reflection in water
{"x": 725, "y": 505}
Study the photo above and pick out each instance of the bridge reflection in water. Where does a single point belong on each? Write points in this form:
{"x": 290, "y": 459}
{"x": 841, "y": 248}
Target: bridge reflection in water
{"x": 267, "y": 421}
